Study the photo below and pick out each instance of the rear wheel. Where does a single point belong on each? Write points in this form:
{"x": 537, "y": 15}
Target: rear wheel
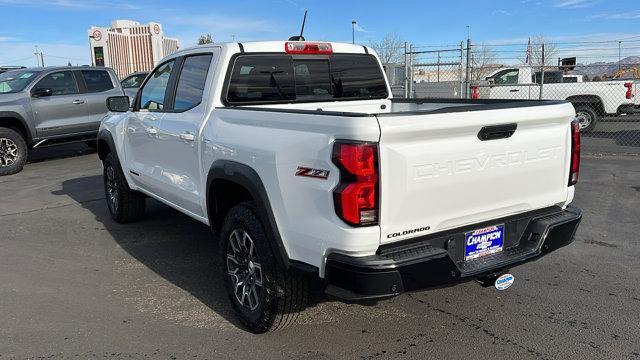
{"x": 13, "y": 151}
{"x": 125, "y": 205}
{"x": 586, "y": 117}
{"x": 265, "y": 296}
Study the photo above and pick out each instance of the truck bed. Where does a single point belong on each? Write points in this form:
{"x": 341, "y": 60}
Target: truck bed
{"x": 449, "y": 163}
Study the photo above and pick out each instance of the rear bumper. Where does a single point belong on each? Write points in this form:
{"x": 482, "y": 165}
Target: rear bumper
{"x": 438, "y": 260}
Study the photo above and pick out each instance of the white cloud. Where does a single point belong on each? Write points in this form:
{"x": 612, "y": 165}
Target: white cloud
{"x": 573, "y": 4}
{"x": 502, "y": 12}
{"x": 74, "y": 4}
{"x": 361, "y": 29}
{"x": 22, "y": 53}
{"x": 222, "y": 28}
{"x": 629, "y": 15}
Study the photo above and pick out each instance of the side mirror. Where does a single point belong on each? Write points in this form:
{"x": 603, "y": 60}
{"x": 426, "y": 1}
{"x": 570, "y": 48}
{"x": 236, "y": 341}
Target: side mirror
{"x": 42, "y": 92}
{"x": 118, "y": 103}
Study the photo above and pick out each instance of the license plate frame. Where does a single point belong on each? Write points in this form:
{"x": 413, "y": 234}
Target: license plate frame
{"x": 484, "y": 241}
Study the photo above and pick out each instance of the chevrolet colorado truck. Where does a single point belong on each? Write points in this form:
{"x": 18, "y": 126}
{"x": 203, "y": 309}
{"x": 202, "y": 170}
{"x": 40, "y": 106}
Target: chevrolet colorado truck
{"x": 50, "y": 106}
{"x": 299, "y": 159}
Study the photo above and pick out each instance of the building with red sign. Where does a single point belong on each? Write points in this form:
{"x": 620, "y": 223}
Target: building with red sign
{"x": 128, "y": 46}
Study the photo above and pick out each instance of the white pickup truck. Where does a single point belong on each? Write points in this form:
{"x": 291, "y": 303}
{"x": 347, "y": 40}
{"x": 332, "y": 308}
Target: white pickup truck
{"x": 303, "y": 164}
{"x": 592, "y": 100}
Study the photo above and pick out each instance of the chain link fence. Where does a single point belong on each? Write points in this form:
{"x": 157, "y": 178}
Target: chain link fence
{"x": 600, "y": 78}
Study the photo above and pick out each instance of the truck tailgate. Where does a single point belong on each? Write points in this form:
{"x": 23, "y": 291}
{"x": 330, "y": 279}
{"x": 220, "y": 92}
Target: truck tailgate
{"x": 436, "y": 173}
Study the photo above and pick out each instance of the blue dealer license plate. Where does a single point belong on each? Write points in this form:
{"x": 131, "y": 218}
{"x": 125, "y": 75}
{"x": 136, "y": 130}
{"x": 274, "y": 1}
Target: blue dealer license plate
{"x": 481, "y": 242}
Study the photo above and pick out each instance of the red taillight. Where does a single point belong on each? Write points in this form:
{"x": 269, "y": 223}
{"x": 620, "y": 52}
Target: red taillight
{"x": 299, "y": 47}
{"x": 475, "y": 94}
{"x": 629, "y": 94}
{"x": 575, "y": 153}
{"x": 356, "y": 196}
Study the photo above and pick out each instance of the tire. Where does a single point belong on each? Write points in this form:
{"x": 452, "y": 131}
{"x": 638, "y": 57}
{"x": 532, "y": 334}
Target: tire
{"x": 13, "y": 151}
{"x": 272, "y": 298}
{"x": 587, "y": 117}
{"x": 92, "y": 144}
{"x": 125, "y": 205}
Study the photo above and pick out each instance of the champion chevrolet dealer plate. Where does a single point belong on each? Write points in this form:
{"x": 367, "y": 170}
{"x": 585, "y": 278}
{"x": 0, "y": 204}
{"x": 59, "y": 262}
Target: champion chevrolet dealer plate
{"x": 481, "y": 242}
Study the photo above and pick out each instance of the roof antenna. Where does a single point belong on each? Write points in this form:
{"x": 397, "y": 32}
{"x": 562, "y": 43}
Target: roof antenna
{"x": 300, "y": 38}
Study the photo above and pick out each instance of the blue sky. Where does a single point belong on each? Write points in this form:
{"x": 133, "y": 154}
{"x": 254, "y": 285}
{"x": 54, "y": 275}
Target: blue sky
{"x": 59, "y": 28}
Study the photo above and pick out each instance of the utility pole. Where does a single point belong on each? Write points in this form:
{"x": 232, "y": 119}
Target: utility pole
{"x": 353, "y": 32}
{"x": 39, "y": 57}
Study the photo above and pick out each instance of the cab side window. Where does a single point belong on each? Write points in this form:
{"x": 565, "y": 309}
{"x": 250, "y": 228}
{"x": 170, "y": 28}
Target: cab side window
{"x": 191, "y": 82}
{"x": 154, "y": 92}
{"x": 97, "y": 80}
{"x": 509, "y": 77}
{"x": 61, "y": 83}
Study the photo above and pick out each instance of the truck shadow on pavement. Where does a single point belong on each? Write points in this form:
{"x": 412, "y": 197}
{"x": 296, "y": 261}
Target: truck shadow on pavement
{"x": 178, "y": 248}
{"x": 58, "y": 152}
{"x": 181, "y": 250}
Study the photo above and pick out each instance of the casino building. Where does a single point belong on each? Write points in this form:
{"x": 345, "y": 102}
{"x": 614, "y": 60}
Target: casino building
{"x": 128, "y": 46}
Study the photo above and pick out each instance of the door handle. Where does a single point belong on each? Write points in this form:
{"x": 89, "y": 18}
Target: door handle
{"x": 514, "y": 90}
{"x": 78, "y": 101}
{"x": 187, "y": 136}
{"x": 152, "y": 131}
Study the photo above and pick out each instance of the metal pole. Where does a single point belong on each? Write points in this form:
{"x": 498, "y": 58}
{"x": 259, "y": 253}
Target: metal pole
{"x": 438, "y": 66}
{"x": 542, "y": 73}
{"x": 406, "y": 70}
{"x": 468, "y": 72}
{"x": 411, "y": 71}
{"x": 460, "y": 70}
{"x": 353, "y": 32}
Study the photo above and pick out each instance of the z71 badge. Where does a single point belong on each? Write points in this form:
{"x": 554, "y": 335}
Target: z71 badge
{"x": 312, "y": 173}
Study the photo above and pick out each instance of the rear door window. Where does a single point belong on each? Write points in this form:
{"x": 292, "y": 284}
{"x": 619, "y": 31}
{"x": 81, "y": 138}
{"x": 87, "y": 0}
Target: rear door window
{"x": 97, "y": 80}
{"x": 285, "y": 78}
{"x": 191, "y": 82}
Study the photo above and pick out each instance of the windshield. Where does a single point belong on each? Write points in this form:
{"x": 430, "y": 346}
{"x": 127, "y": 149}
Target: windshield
{"x": 16, "y": 80}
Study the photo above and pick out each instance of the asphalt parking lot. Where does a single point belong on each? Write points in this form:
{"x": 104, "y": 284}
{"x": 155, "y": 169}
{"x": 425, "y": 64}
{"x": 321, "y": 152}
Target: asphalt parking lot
{"x": 74, "y": 284}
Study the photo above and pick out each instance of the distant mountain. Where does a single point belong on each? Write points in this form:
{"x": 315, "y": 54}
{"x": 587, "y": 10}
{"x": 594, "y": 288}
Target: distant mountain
{"x": 607, "y": 69}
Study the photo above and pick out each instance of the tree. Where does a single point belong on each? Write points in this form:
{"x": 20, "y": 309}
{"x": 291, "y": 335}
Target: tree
{"x": 390, "y": 49}
{"x": 483, "y": 62}
{"x": 550, "y": 51}
{"x": 205, "y": 39}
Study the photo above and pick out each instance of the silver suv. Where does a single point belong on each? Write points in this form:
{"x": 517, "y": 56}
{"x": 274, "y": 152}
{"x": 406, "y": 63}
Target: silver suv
{"x": 50, "y": 106}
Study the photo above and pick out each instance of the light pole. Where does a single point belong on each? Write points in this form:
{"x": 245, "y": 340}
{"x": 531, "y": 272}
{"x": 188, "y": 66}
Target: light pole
{"x": 619, "y": 54}
{"x": 353, "y": 32}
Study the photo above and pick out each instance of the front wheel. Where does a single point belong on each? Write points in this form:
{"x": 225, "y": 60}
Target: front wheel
{"x": 125, "y": 205}
{"x": 13, "y": 151}
{"x": 265, "y": 296}
{"x": 586, "y": 117}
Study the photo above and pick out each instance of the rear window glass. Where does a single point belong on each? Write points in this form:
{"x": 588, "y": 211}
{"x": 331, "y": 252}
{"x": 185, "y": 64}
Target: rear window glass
{"x": 286, "y": 78}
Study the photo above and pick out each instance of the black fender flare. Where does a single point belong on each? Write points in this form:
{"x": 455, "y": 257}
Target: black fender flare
{"x": 105, "y": 135}
{"x": 248, "y": 178}
{"x": 27, "y": 129}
